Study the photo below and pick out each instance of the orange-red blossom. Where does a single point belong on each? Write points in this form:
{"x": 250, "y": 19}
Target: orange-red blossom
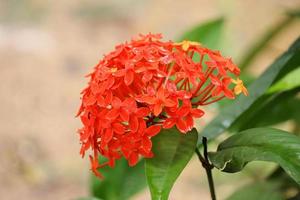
{"x": 145, "y": 85}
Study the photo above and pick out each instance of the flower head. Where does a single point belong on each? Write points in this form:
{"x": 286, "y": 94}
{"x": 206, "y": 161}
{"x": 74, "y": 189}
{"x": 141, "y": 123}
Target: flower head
{"x": 145, "y": 85}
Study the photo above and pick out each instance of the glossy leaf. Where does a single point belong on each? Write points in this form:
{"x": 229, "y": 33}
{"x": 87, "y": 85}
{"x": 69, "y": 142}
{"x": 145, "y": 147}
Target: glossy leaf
{"x": 259, "y": 191}
{"x": 209, "y": 34}
{"x": 119, "y": 183}
{"x": 290, "y": 81}
{"x": 259, "y": 144}
{"x": 274, "y": 109}
{"x": 172, "y": 151}
{"x": 283, "y": 65}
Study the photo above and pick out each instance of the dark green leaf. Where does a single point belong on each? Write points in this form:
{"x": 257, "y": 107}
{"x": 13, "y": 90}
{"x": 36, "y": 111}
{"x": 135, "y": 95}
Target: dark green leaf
{"x": 209, "y": 34}
{"x": 121, "y": 182}
{"x": 172, "y": 151}
{"x": 283, "y": 65}
{"x": 290, "y": 81}
{"x": 285, "y": 180}
{"x": 294, "y": 13}
{"x": 275, "y": 109}
{"x": 296, "y": 197}
{"x": 263, "y": 144}
{"x": 259, "y": 191}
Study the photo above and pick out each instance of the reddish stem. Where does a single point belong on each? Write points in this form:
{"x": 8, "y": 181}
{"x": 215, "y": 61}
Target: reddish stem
{"x": 215, "y": 100}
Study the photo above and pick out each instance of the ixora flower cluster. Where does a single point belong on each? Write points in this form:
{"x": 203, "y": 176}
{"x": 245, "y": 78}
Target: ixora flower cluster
{"x": 145, "y": 85}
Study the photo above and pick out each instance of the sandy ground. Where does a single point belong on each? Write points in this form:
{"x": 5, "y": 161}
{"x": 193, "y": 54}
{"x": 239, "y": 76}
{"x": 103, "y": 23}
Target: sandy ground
{"x": 46, "y": 49}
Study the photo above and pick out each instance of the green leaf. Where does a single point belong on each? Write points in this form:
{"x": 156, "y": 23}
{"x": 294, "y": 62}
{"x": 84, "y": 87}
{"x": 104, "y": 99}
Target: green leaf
{"x": 283, "y": 65}
{"x": 172, "y": 151}
{"x": 119, "y": 183}
{"x": 274, "y": 109}
{"x": 286, "y": 182}
{"x": 290, "y": 81}
{"x": 259, "y": 191}
{"x": 209, "y": 34}
{"x": 296, "y": 197}
{"x": 262, "y": 144}
{"x": 294, "y": 13}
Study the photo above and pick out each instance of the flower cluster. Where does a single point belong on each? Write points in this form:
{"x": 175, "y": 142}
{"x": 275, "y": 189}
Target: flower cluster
{"x": 145, "y": 85}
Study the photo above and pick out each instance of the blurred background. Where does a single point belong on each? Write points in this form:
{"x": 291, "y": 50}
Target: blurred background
{"x": 47, "y": 47}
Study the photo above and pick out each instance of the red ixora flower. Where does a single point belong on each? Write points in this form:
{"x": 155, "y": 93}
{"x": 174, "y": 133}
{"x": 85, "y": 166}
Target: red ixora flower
{"x": 145, "y": 85}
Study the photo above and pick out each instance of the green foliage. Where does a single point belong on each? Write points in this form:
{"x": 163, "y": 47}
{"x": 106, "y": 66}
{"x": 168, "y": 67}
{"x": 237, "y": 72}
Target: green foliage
{"x": 172, "y": 151}
{"x": 209, "y": 34}
{"x": 290, "y": 81}
{"x": 229, "y": 115}
{"x": 263, "y": 144}
{"x": 259, "y": 191}
{"x": 119, "y": 183}
{"x": 276, "y": 109}
{"x": 286, "y": 182}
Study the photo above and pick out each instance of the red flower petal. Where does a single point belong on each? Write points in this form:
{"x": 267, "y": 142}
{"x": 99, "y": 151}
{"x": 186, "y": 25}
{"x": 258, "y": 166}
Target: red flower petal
{"x": 101, "y": 101}
{"x": 157, "y": 109}
{"x": 146, "y": 144}
{"x": 169, "y": 103}
{"x": 95, "y": 166}
{"x": 146, "y": 99}
{"x": 181, "y": 125}
{"x": 107, "y": 136}
{"x": 116, "y": 103}
{"x": 133, "y": 123}
{"x": 90, "y": 100}
{"x": 142, "y": 112}
{"x": 183, "y": 111}
{"x": 111, "y": 162}
{"x": 112, "y": 114}
{"x": 147, "y": 77}
{"x": 226, "y": 81}
{"x": 228, "y": 93}
{"x": 108, "y": 98}
{"x": 118, "y": 128}
{"x": 142, "y": 126}
{"x": 197, "y": 113}
{"x": 160, "y": 93}
{"x": 129, "y": 75}
{"x": 133, "y": 159}
{"x": 84, "y": 135}
{"x": 152, "y": 130}
{"x": 124, "y": 114}
{"x": 189, "y": 122}
{"x": 85, "y": 120}
{"x": 169, "y": 123}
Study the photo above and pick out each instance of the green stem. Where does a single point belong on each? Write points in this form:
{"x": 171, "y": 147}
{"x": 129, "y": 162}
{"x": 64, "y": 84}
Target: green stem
{"x": 208, "y": 167}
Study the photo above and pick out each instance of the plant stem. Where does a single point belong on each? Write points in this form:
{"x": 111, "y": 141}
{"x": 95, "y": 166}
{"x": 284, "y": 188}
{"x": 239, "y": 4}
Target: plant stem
{"x": 208, "y": 167}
